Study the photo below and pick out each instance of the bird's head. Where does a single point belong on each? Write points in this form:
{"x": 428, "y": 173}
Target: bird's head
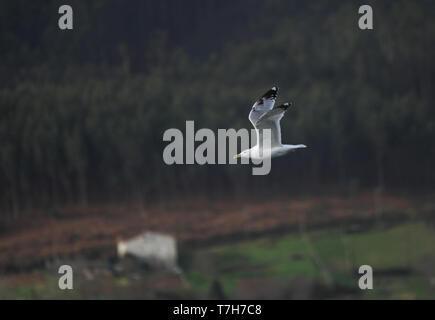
{"x": 243, "y": 154}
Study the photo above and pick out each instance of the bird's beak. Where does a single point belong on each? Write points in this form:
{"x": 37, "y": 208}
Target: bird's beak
{"x": 237, "y": 156}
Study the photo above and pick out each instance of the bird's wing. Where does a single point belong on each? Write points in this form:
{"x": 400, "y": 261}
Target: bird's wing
{"x": 270, "y": 120}
{"x": 263, "y": 104}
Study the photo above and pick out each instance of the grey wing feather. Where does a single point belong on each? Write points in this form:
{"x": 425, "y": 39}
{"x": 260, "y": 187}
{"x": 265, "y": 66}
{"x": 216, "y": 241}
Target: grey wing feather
{"x": 272, "y": 115}
{"x": 271, "y": 120}
{"x": 263, "y": 104}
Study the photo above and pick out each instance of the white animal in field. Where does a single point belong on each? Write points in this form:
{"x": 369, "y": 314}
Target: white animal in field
{"x": 155, "y": 249}
{"x": 264, "y": 115}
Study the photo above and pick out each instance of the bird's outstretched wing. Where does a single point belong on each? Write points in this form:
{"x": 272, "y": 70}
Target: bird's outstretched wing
{"x": 271, "y": 120}
{"x": 263, "y": 104}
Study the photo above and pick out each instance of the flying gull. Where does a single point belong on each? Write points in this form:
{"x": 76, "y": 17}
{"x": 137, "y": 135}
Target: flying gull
{"x": 265, "y": 116}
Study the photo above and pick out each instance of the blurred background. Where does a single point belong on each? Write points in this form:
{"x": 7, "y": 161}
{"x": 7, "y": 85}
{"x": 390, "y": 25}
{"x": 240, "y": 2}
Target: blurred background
{"x": 83, "y": 113}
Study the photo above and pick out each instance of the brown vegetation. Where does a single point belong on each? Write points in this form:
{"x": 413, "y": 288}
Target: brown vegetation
{"x": 193, "y": 222}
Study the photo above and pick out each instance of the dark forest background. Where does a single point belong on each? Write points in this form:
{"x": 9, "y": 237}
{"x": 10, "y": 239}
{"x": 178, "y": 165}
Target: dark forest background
{"x": 83, "y": 112}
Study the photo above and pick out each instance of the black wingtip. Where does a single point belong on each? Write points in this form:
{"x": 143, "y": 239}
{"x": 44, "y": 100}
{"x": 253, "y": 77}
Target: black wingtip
{"x": 271, "y": 93}
{"x": 285, "y": 106}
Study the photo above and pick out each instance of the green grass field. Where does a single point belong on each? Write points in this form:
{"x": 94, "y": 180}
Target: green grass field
{"x": 402, "y": 259}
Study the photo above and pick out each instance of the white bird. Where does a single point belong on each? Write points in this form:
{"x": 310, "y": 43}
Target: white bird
{"x": 265, "y": 116}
